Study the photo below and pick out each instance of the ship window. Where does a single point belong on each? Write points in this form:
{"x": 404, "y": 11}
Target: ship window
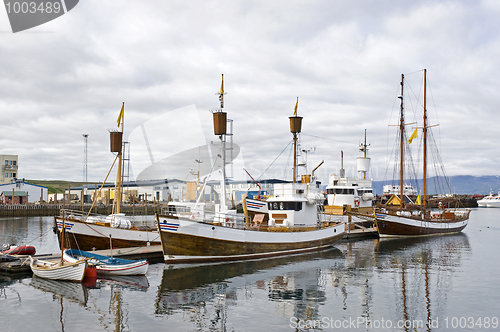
{"x": 341, "y": 191}
{"x": 296, "y": 206}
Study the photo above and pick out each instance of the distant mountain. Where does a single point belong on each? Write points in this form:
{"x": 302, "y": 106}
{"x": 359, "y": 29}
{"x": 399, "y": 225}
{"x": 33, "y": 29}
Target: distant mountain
{"x": 460, "y": 184}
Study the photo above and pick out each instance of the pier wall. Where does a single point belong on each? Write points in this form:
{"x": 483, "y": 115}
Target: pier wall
{"x": 22, "y": 210}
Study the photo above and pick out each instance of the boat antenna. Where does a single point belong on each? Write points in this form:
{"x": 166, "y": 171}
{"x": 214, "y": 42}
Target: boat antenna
{"x": 363, "y": 147}
{"x": 342, "y": 170}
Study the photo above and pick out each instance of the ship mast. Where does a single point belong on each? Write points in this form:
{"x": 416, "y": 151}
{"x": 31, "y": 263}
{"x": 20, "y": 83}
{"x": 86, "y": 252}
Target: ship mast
{"x": 116, "y": 139}
{"x": 220, "y": 123}
{"x": 295, "y": 128}
{"x": 363, "y": 163}
{"x": 119, "y": 172}
{"x": 424, "y": 201}
{"x": 401, "y": 133}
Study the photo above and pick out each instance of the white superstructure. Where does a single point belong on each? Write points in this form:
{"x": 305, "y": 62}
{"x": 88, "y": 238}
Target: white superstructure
{"x": 490, "y": 201}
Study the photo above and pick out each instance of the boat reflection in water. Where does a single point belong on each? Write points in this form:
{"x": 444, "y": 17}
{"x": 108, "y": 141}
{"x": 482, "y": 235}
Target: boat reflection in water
{"x": 294, "y": 283}
{"x": 406, "y": 279}
{"x": 425, "y": 267}
{"x": 133, "y": 283}
{"x": 72, "y": 291}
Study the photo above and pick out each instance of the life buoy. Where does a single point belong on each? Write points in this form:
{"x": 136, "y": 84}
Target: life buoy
{"x": 356, "y": 202}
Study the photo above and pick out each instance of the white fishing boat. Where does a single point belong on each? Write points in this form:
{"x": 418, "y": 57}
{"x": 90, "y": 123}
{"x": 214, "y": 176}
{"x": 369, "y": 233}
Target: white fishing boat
{"x": 389, "y": 190}
{"x": 351, "y": 193}
{"x": 295, "y": 223}
{"x": 490, "y": 201}
{"x": 403, "y": 221}
{"x": 350, "y": 199}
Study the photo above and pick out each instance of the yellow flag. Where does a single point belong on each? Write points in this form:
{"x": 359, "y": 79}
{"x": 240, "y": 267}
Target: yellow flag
{"x": 120, "y": 117}
{"x": 418, "y": 200}
{"x": 221, "y": 88}
{"x": 295, "y": 108}
{"x": 414, "y": 135}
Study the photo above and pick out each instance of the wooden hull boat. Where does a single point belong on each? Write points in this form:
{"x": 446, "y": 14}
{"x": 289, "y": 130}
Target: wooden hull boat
{"x": 108, "y": 265}
{"x": 90, "y": 231}
{"x": 88, "y": 236}
{"x": 59, "y": 270}
{"x": 294, "y": 222}
{"x": 448, "y": 222}
{"x": 191, "y": 241}
{"x": 403, "y": 221}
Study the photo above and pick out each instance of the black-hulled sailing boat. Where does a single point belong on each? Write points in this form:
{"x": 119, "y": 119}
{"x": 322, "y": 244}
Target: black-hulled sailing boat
{"x": 407, "y": 222}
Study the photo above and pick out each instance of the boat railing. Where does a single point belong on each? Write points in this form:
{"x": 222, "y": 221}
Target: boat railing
{"x": 83, "y": 216}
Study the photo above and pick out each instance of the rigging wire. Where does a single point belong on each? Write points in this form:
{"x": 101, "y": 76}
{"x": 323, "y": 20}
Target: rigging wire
{"x": 330, "y": 139}
{"x": 274, "y": 160}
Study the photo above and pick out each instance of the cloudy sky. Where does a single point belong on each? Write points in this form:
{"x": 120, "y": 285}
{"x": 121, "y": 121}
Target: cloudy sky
{"x": 164, "y": 59}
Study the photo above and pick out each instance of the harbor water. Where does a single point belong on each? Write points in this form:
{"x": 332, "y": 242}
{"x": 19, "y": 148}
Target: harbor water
{"x": 437, "y": 283}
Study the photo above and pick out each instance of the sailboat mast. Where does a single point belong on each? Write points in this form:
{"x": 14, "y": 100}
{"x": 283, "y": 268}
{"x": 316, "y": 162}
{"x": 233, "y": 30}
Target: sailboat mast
{"x": 118, "y": 189}
{"x": 401, "y": 134}
{"x": 424, "y": 201}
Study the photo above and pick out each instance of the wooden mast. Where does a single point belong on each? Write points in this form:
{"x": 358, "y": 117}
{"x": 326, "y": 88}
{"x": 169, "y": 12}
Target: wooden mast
{"x": 401, "y": 133}
{"x": 295, "y": 128}
{"x": 220, "y": 129}
{"x": 424, "y": 200}
{"x": 118, "y": 188}
{"x": 63, "y": 228}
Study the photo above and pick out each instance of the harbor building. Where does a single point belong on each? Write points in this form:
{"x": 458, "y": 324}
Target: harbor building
{"x": 235, "y": 189}
{"x": 24, "y": 192}
{"x": 140, "y": 191}
{"x": 172, "y": 190}
{"x": 9, "y": 165}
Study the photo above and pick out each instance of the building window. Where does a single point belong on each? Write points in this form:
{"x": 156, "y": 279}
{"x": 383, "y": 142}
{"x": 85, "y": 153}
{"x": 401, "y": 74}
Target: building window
{"x": 14, "y": 163}
{"x": 6, "y": 162}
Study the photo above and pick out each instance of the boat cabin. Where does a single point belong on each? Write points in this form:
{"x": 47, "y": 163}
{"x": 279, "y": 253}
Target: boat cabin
{"x": 294, "y": 205}
{"x": 356, "y": 193}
